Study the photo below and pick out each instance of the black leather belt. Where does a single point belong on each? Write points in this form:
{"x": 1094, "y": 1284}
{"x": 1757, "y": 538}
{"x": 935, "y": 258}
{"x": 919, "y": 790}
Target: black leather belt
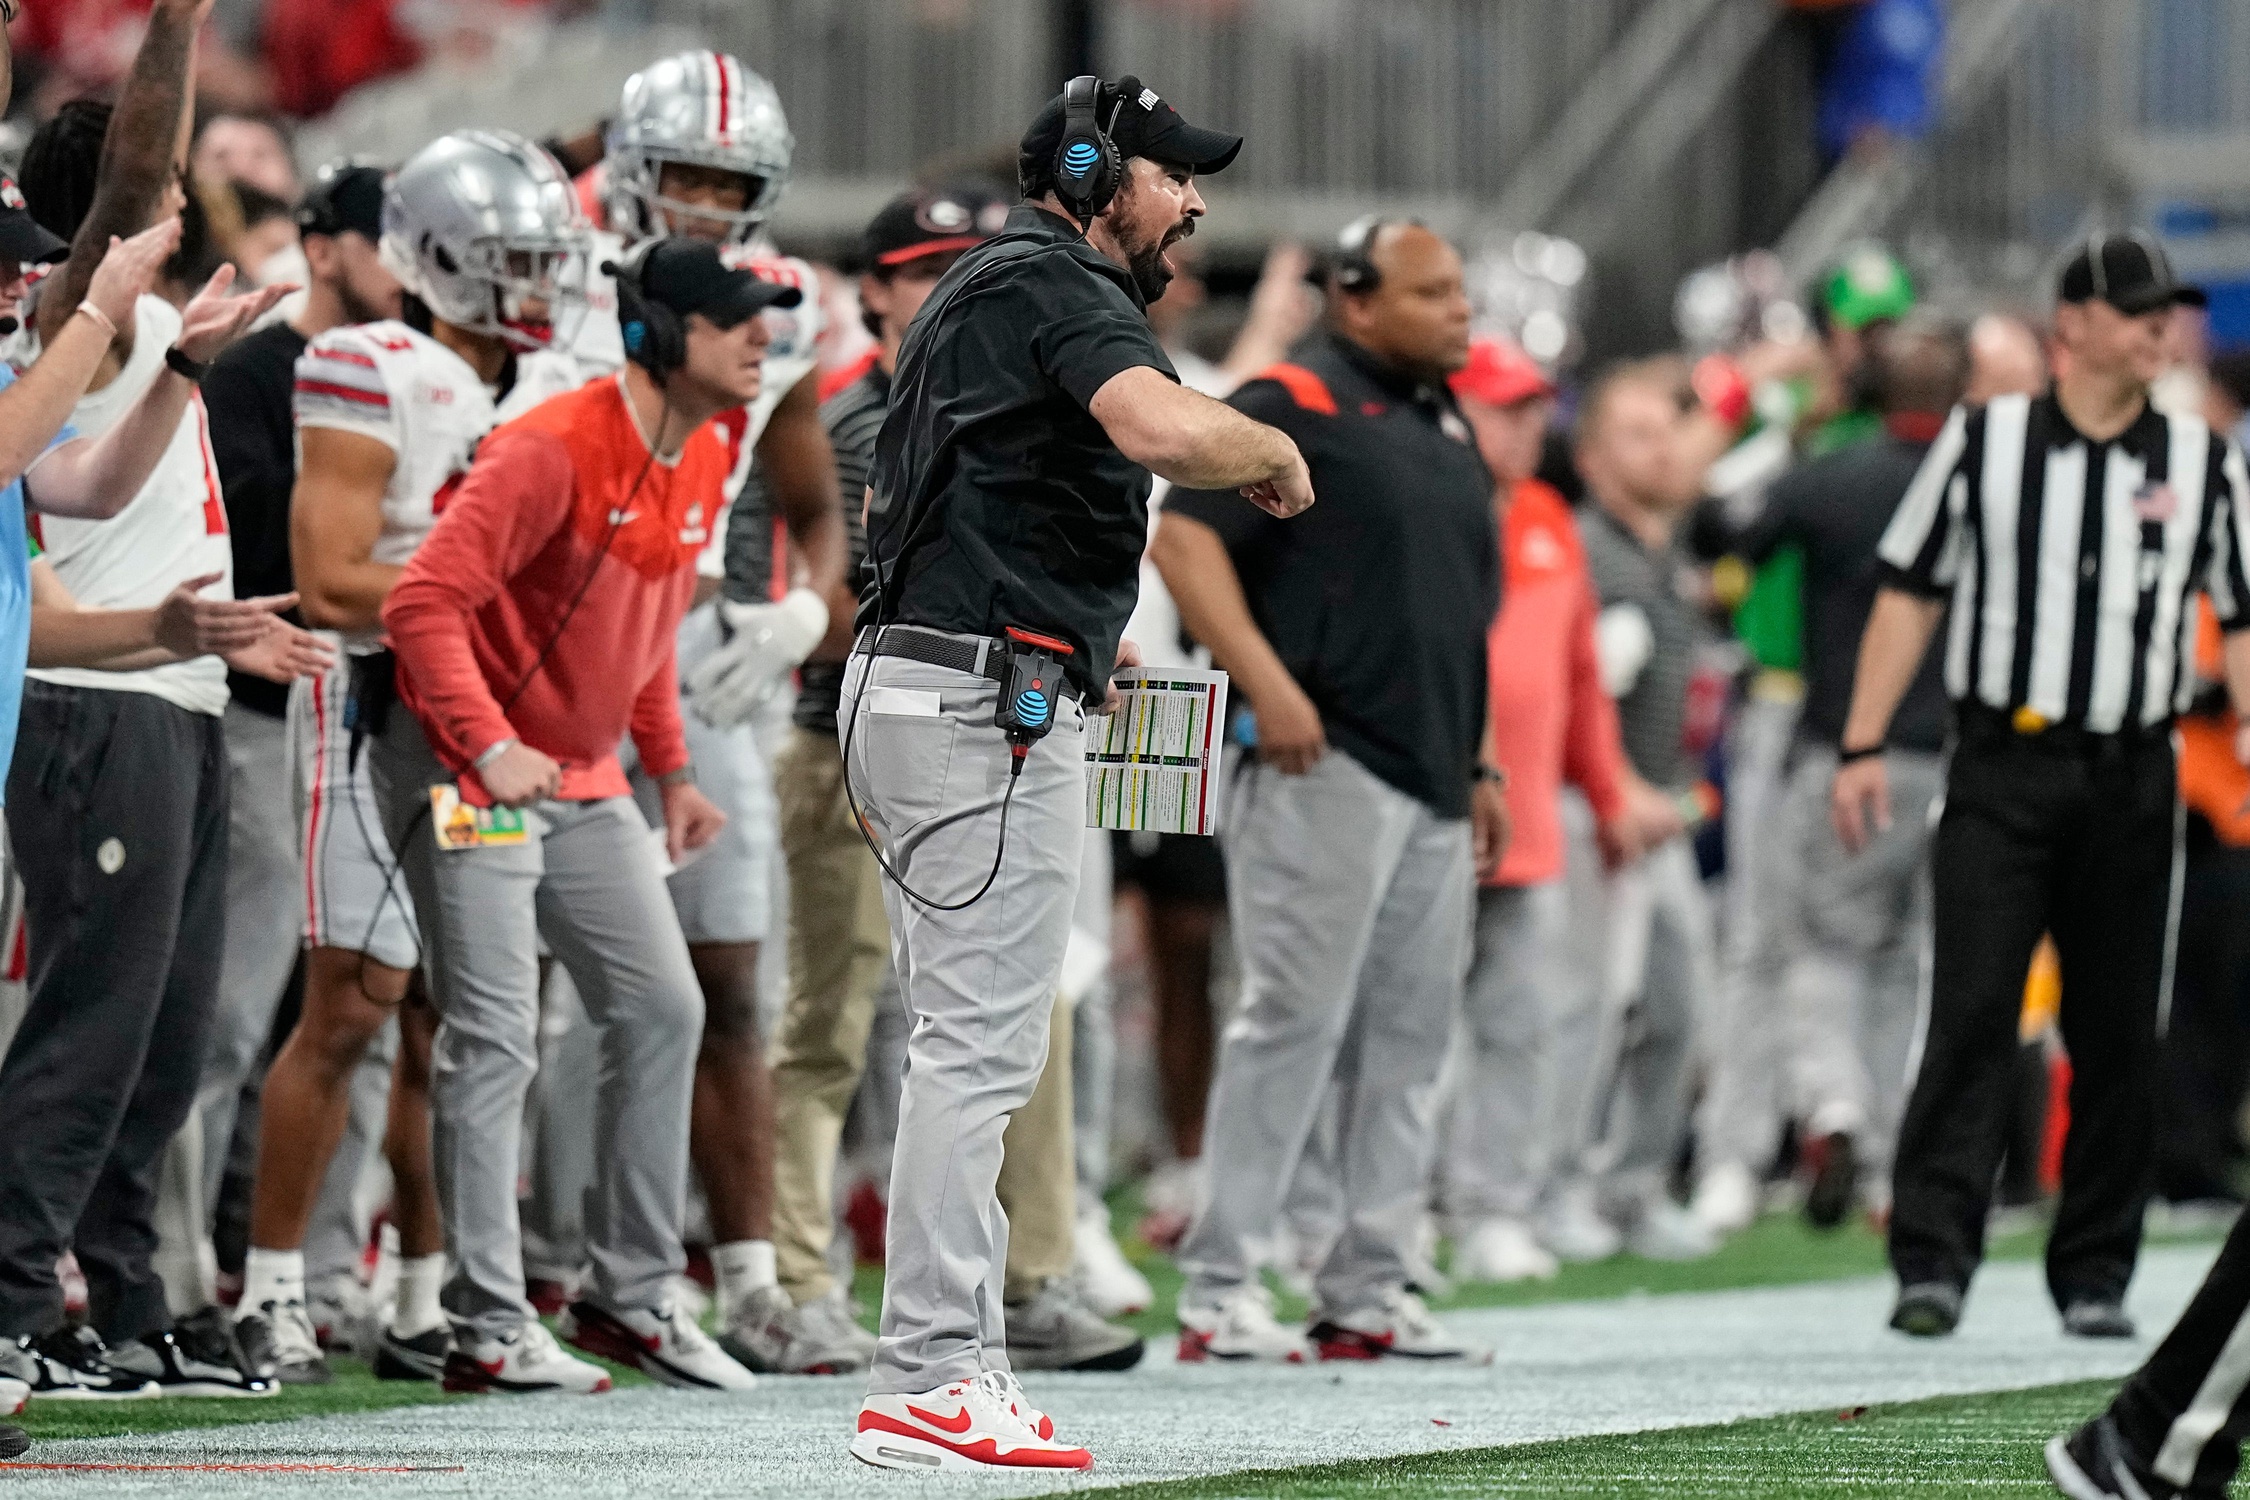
{"x": 979, "y": 656}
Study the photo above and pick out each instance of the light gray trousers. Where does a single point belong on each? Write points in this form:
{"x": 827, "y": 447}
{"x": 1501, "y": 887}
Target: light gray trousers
{"x": 1501, "y": 1127}
{"x": 931, "y": 773}
{"x": 1626, "y": 1109}
{"x": 1854, "y": 985}
{"x": 1740, "y": 1117}
{"x": 1350, "y": 904}
{"x": 587, "y": 878}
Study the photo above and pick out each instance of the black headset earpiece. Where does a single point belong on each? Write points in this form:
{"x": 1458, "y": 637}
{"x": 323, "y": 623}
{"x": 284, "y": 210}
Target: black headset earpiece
{"x": 1088, "y": 170}
{"x": 1355, "y": 270}
{"x": 655, "y": 337}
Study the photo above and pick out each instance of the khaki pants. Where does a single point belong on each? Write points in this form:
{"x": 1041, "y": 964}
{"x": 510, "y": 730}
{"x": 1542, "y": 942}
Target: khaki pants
{"x": 839, "y": 946}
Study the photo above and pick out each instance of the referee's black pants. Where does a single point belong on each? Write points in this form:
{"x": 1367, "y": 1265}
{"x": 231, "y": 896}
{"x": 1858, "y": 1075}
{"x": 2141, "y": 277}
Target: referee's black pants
{"x": 2055, "y": 833}
{"x": 2183, "y": 1414}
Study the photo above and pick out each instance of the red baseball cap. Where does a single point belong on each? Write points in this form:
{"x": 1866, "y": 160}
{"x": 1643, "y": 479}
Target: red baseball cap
{"x": 1500, "y": 374}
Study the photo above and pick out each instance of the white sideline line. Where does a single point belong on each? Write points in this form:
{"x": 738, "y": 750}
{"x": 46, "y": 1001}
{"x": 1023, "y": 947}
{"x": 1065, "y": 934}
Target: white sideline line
{"x": 1564, "y": 1370}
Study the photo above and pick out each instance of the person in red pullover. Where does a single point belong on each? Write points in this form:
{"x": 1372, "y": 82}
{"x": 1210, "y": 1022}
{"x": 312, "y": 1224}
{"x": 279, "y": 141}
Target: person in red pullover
{"x": 1527, "y": 1011}
{"x": 532, "y": 631}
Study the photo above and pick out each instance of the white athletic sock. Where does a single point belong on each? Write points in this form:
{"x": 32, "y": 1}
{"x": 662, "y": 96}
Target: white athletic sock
{"x": 420, "y": 1279}
{"x": 743, "y": 1267}
{"x": 271, "y": 1276}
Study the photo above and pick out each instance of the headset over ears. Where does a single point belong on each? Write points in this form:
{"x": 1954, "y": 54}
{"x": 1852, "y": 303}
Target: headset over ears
{"x": 1088, "y": 170}
{"x": 655, "y": 335}
{"x": 1355, "y": 268}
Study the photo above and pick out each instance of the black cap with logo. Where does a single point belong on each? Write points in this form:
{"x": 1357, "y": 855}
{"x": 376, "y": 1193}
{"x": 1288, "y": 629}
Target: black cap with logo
{"x": 933, "y": 221}
{"x": 688, "y": 276}
{"x": 346, "y": 195}
{"x": 1145, "y": 126}
{"x": 2128, "y": 271}
{"x": 24, "y": 239}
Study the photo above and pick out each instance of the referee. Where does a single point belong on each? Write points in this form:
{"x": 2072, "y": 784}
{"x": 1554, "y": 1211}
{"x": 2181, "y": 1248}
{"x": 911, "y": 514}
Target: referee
{"x": 2071, "y": 532}
{"x": 1008, "y": 507}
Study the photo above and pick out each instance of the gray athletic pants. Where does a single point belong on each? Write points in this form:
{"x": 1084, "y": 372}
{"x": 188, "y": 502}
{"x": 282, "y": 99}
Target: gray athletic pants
{"x": 587, "y": 878}
{"x": 1350, "y": 903}
{"x": 931, "y": 771}
{"x": 1853, "y": 989}
{"x": 1740, "y": 1117}
{"x": 1502, "y": 1127}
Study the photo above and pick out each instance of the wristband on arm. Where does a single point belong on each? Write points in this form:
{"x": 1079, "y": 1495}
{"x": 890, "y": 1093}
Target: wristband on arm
{"x": 1845, "y": 757}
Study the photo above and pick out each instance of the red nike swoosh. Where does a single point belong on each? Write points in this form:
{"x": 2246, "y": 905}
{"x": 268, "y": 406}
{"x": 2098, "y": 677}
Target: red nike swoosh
{"x": 492, "y": 1366}
{"x": 958, "y": 1425}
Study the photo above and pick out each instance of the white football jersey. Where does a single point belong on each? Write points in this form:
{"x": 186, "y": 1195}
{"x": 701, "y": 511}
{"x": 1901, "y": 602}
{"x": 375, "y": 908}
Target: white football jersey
{"x": 416, "y": 397}
{"x": 173, "y": 530}
{"x": 599, "y": 350}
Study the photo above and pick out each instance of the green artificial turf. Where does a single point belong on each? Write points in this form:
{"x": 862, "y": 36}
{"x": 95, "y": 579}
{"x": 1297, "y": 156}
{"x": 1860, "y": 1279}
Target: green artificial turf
{"x": 1953, "y": 1445}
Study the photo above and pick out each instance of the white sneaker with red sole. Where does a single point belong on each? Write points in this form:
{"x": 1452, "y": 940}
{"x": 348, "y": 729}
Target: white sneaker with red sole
{"x": 14, "y": 1394}
{"x": 526, "y": 1362}
{"x": 971, "y": 1426}
{"x": 1240, "y": 1326}
{"x": 1395, "y": 1326}
{"x": 663, "y": 1343}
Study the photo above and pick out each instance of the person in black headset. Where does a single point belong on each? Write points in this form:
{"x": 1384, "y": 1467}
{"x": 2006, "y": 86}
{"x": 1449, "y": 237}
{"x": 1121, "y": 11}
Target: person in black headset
{"x": 533, "y": 630}
{"x": 1007, "y": 511}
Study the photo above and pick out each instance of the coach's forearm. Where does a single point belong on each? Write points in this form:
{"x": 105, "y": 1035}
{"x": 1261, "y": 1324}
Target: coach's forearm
{"x": 1890, "y": 653}
{"x": 1185, "y": 436}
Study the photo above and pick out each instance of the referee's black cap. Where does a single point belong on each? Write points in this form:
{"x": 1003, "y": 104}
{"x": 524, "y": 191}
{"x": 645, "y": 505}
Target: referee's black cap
{"x": 1146, "y": 126}
{"x": 2128, "y": 271}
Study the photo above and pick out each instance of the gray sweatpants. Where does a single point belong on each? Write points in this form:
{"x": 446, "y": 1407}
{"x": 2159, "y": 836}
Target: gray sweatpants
{"x": 1350, "y": 903}
{"x": 1626, "y": 1114}
{"x": 1740, "y": 1117}
{"x": 1502, "y": 1128}
{"x": 931, "y": 772}
{"x": 587, "y": 878}
{"x": 1854, "y": 987}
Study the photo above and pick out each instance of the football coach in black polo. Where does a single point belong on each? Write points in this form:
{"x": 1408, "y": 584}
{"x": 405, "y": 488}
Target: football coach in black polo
{"x": 1007, "y": 510}
{"x": 2071, "y": 533}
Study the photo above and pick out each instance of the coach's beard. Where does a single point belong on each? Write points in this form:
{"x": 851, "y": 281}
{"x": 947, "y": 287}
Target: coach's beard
{"x": 1150, "y": 268}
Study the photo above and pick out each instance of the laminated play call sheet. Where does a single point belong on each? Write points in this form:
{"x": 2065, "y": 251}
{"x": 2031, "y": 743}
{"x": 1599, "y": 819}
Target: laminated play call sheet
{"x": 1154, "y": 764}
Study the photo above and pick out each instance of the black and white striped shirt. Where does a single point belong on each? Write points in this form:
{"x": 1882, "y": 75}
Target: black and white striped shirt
{"x": 2073, "y": 565}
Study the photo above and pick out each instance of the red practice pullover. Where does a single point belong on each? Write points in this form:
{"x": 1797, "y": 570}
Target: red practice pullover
{"x": 1551, "y": 720}
{"x": 550, "y": 513}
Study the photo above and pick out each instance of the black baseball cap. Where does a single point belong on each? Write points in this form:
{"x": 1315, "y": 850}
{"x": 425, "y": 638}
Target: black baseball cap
{"x": 346, "y": 195}
{"x": 932, "y": 221}
{"x": 688, "y": 276}
{"x": 1145, "y": 126}
{"x": 24, "y": 239}
{"x": 2128, "y": 271}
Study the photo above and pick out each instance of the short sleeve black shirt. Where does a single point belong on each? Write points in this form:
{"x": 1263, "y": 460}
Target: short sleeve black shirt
{"x": 254, "y": 444}
{"x": 1379, "y": 599}
{"x": 999, "y": 500}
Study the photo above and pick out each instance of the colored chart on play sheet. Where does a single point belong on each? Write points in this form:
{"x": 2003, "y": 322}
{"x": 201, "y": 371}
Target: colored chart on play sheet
{"x": 1153, "y": 765}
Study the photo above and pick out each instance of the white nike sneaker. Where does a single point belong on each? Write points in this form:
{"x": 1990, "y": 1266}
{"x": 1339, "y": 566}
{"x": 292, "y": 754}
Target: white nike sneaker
{"x": 664, "y": 1343}
{"x": 14, "y": 1395}
{"x": 1109, "y": 1283}
{"x": 1503, "y": 1250}
{"x": 1240, "y": 1326}
{"x": 524, "y": 1362}
{"x": 1726, "y": 1198}
{"x": 972, "y": 1426}
{"x": 1575, "y": 1230}
{"x": 1396, "y": 1326}
{"x": 1665, "y": 1231}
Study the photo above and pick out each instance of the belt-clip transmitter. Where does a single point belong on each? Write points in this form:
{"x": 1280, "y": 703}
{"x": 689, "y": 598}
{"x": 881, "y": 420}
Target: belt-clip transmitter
{"x": 1027, "y": 695}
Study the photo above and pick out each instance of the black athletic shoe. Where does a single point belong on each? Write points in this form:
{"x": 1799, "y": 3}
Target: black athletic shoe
{"x": 421, "y": 1357}
{"x": 198, "y": 1356}
{"x": 2097, "y": 1318}
{"x": 70, "y": 1364}
{"x": 2094, "y": 1463}
{"x": 1836, "y": 1183}
{"x": 278, "y": 1344}
{"x": 1927, "y": 1309}
{"x": 13, "y": 1441}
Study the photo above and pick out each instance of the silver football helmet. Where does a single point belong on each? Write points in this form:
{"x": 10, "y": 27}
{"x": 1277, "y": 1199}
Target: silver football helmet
{"x": 707, "y": 110}
{"x": 482, "y": 225}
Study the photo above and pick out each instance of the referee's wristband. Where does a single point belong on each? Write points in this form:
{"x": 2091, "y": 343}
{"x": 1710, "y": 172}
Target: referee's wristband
{"x": 1845, "y": 757}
